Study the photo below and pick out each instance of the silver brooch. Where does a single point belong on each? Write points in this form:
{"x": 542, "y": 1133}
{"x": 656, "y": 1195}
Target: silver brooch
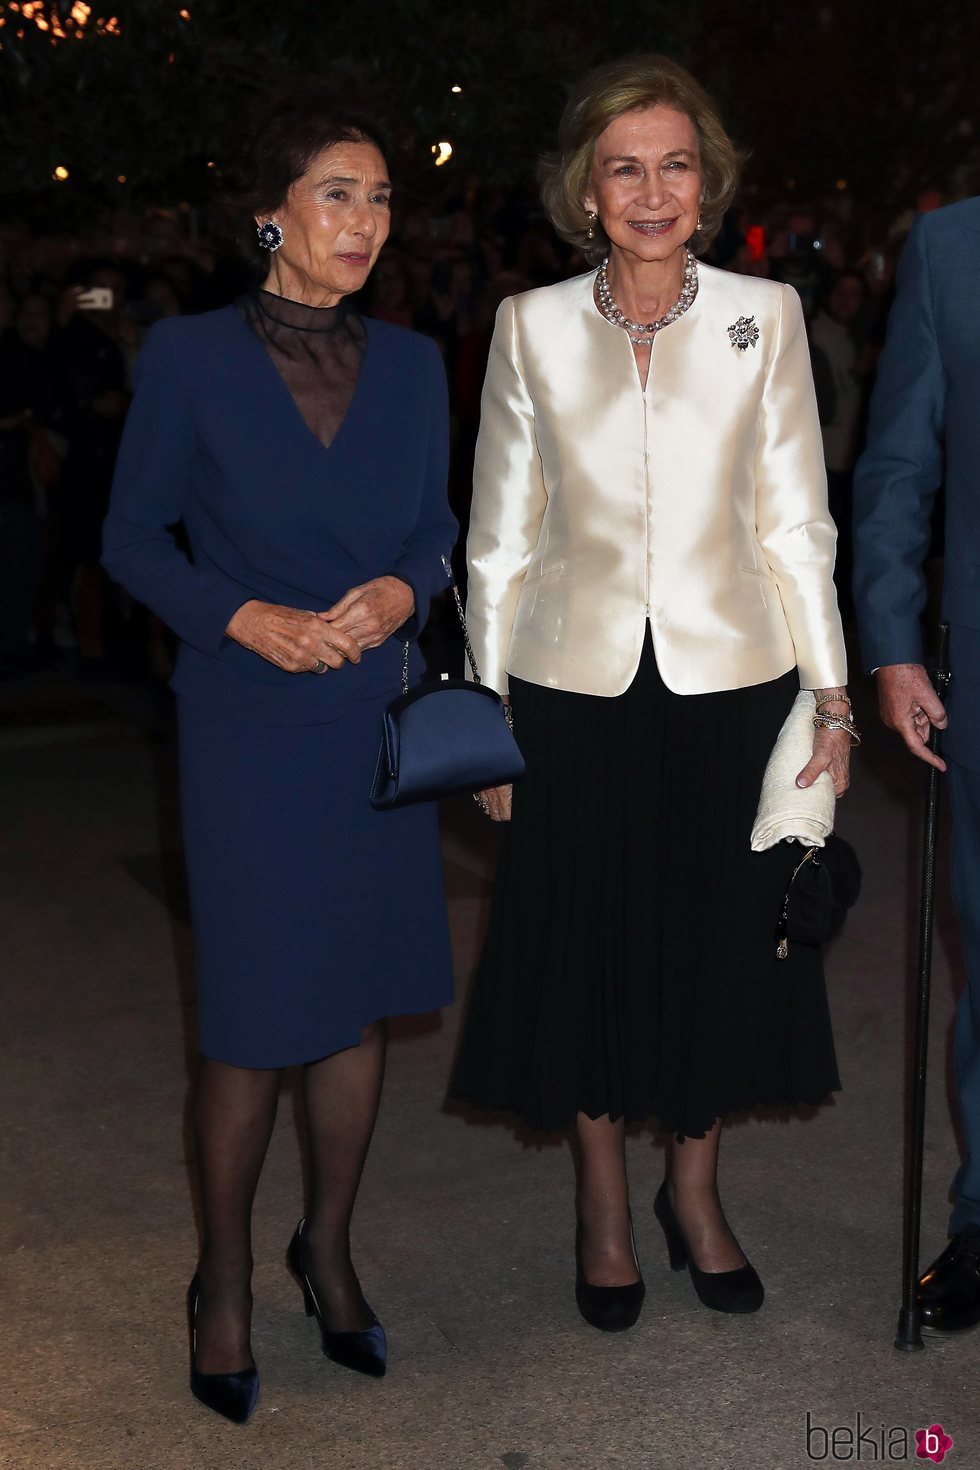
{"x": 743, "y": 333}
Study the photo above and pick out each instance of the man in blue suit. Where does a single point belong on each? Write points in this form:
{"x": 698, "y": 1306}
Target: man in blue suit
{"x": 925, "y": 429}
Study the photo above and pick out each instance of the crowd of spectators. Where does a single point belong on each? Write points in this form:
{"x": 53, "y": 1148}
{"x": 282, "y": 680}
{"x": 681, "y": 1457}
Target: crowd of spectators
{"x": 75, "y": 310}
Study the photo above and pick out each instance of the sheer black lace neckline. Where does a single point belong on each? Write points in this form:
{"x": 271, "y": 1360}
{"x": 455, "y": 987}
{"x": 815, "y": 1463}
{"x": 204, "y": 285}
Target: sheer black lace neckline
{"x": 318, "y": 352}
{"x": 285, "y": 312}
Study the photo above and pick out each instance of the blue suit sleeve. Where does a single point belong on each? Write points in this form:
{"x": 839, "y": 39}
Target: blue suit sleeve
{"x": 149, "y": 492}
{"x": 421, "y": 562}
{"x": 898, "y": 475}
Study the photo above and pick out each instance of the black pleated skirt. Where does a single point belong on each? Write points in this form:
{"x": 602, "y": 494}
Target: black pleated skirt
{"x": 629, "y": 967}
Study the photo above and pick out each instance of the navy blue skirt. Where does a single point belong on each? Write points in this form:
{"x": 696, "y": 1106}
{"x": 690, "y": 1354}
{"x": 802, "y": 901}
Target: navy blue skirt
{"x": 313, "y": 914}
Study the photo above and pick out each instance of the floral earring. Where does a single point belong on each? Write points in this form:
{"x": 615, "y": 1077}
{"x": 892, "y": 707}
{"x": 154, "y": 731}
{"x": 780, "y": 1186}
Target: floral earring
{"x": 270, "y": 236}
{"x": 593, "y": 219}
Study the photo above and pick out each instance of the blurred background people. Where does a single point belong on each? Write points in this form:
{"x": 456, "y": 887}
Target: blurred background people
{"x": 32, "y": 448}
{"x": 842, "y": 366}
{"x": 95, "y": 349}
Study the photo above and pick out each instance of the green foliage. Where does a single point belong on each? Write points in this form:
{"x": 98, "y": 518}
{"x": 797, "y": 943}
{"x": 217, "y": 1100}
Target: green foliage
{"x": 880, "y": 96}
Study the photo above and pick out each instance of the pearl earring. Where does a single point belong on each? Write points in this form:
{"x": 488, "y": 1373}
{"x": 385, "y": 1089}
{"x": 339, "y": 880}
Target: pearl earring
{"x": 593, "y": 220}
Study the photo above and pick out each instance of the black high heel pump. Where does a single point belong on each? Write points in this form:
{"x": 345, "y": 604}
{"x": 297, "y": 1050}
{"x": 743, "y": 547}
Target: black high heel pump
{"x": 365, "y": 1351}
{"x": 610, "y": 1308}
{"x": 724, "y": 1291}
{"x": 234, "y": 1395}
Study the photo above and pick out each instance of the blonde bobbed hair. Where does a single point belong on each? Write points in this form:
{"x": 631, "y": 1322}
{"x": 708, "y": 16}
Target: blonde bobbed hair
{"x": 627, "y": 85}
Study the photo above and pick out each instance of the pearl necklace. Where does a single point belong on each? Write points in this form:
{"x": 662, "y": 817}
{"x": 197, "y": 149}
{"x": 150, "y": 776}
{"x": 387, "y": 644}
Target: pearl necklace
{"x": 649, "y": 330}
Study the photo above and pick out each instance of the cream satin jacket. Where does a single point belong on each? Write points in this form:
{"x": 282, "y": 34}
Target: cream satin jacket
{"x": 699, "y": 504}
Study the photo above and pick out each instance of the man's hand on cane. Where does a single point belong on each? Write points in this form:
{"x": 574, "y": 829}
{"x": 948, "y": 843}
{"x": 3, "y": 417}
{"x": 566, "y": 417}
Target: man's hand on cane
{"x": 909, "y": 704}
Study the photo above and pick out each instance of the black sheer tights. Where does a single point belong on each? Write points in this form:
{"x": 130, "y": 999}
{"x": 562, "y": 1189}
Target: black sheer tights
{"x": 235, "y": 1110}
{"x": 341, "y": 1095}
{"x": 603, "y": 1204}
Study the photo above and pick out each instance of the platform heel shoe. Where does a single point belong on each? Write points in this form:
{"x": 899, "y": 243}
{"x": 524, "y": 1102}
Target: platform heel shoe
{"x": 610, "y": 1308}
{"x": 234, "y": 1395}
{"x": 365, "y": 1351}
{"x": 724, "y": 1291}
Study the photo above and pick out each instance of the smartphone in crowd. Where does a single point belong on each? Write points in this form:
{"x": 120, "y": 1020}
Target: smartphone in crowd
{"x": 97, "y": 298}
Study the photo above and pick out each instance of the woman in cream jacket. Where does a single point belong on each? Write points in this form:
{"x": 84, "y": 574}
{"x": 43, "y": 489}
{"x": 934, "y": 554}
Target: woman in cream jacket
{"x": 651, "y": 580}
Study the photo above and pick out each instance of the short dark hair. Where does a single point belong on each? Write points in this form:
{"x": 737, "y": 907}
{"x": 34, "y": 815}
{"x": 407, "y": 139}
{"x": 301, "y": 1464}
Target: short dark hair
{"x": 291, "y": 127}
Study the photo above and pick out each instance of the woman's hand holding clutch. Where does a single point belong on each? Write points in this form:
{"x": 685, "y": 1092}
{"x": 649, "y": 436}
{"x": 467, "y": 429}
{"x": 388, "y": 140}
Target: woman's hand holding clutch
{"x": 831, "y": 753}
{"x": 372, "y": 612}
{"x": 834, "y": 734}
{"x": 295, "y": 640}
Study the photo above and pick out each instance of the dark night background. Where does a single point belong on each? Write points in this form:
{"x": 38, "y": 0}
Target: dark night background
{"x": 880, "y": 95}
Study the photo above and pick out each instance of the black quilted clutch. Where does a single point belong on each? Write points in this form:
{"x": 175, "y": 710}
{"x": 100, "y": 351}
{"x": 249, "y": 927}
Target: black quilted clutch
{"x": 823, "y": 885}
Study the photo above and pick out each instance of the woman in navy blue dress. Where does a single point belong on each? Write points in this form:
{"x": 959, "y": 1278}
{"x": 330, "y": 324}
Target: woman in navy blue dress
{"x": 303, "y": 450}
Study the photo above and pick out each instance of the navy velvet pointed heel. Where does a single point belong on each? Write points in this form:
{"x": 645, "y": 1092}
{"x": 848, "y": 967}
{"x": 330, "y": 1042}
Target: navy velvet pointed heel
{"x": 365, "y": 1351}
{"x": 233, "y": 1395}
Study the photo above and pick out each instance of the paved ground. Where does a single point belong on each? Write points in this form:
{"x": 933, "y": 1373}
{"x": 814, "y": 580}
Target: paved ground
{"x": 464, "y": 1232}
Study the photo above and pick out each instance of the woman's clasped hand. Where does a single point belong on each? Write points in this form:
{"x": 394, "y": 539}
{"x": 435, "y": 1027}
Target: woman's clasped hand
{"x": 295, "y": 640}
{"x": 298, "y": 641}
{"x": 372, "y": 612}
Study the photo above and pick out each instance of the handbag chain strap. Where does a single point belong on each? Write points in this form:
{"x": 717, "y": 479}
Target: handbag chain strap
{"x": 782, "y": 939}
{"x": 471, "y": 656}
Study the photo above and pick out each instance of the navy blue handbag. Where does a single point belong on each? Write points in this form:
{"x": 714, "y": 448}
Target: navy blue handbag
{"x": 444, "y": 738}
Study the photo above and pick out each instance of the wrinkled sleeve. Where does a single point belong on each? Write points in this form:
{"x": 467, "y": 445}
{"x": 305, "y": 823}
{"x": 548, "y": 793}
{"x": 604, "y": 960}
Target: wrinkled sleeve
{"x": 509, "y": 502}
{"x": 793, "y": 524}
{"x": 898, "y": 475}
{"x": 149, "y": 494}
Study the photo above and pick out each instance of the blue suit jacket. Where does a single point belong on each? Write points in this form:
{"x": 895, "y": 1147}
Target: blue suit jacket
{"x": 924, "y": 428}
{"x": 215, "y": 441}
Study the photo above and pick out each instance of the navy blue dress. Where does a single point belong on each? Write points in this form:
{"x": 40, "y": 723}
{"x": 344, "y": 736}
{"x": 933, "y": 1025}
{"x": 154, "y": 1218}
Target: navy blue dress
{"x": 313, "y": 914}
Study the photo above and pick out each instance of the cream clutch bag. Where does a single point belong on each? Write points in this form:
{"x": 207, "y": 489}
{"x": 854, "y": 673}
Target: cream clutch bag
{"x": 787, "y": 813}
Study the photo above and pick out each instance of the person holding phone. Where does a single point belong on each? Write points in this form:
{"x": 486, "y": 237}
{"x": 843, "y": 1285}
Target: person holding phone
{"x": 94, "y": 349}
{"x": 304, "y": 450}
{"x": 651, "y": 580}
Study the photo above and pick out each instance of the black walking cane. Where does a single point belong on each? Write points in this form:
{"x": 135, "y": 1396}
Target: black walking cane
{"x": 909, "y": 1338}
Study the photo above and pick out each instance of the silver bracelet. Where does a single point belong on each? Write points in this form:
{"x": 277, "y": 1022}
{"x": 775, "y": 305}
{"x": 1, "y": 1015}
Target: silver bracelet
{"x": 835, "y": 722}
